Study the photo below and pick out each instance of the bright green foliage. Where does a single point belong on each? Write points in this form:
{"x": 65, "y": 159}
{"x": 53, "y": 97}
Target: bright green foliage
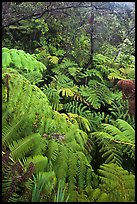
{"x": 24, "y": 145}
{"x": 24, "y": 63}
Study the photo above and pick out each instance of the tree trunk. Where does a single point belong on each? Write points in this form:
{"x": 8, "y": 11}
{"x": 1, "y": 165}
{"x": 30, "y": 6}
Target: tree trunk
{"x": 90, "y": 63}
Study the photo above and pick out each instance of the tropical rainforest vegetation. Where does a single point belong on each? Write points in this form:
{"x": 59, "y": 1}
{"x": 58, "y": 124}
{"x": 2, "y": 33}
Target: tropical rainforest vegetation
{"x": 67, "y": 135}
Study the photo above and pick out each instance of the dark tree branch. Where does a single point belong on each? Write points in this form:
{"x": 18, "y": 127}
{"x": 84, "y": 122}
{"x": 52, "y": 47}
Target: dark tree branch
{"x": 10, "y": 19}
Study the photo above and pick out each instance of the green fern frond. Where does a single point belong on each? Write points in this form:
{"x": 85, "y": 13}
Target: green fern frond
{"x": 53, "y": 150}
{"x": 61, "y": 165}
{"x": 115, "y": 75}
{"x": 124, "y": 136}
{"x": 53, "y": 59}
{"x": 93, "y": 195}
{"x": 109, "y": 152}
{"x": 23, "y": 146}
{"x": 20, "y": 60}
{"x": 93, "y": 73}
{"x": 62, "y": 81}
{"x": 114, "y": 131}
{"x": 82, "y": 122}
{"x": 54, "y": 98}
{"x": 72, "y": 169}
{"x": 16, "y": 60}
{"x": 126, "y": 128}
{"x": 96, "y": 94}
{"x": 118, "y": 183}
{"x": 12, "y": 130}
{"x": 82, "y": 167}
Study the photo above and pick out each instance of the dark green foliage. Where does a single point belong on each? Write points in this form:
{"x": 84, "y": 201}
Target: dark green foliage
{"x": 113, "y": 142}
{"x": 117, "y": 183}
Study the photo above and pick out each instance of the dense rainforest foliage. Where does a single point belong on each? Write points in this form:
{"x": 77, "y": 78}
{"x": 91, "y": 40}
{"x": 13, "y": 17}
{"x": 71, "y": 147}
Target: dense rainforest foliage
{"x": 67, "y": 135}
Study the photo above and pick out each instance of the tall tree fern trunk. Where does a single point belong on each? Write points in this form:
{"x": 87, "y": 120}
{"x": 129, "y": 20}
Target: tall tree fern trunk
{"x": 90, "y": 63}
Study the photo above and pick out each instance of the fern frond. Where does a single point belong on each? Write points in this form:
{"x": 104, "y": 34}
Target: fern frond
{"x": 118, "y": 183}
{"x": 21, "y": 61}
{"x": 120, "y": 135}
{"x": 72, "y": 169}
{"x": 93, "y": 195}
{"x": 109, "y": 152}
{"x": 12, "y": 130}
{"x": 61, "y": 165}
{"x": 53, "y": 150}
{"x": 23, "y": 146}
{"x": 93, "y": 73}
{"x": 16, "y": 60}
{"x": 82, "y": 122}
{"x": 126, "y": 128}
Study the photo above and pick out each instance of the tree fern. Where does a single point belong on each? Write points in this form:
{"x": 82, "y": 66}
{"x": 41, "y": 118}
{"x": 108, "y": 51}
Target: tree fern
{"x": 94, "y": 74}
{"x": 82, "y": 168}
{"x": 6, "y": 58}
{"x": 53, "y": 150}
{"x": 54, "y": 97}
{"x": 111, "y": 142}
{"x": 67, "y": 67}
{"x": 126, "y": 128}
{"x": 61, "y": 165}
{"x": 66, "y": 92}
{"x": 20, "y": 59}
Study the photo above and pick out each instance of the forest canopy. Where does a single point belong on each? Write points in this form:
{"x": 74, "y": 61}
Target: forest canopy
{"x": 68, "y": 134}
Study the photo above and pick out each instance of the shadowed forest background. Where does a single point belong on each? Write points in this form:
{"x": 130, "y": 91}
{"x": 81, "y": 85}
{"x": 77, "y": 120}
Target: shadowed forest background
{"x": 67, "y": 133}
